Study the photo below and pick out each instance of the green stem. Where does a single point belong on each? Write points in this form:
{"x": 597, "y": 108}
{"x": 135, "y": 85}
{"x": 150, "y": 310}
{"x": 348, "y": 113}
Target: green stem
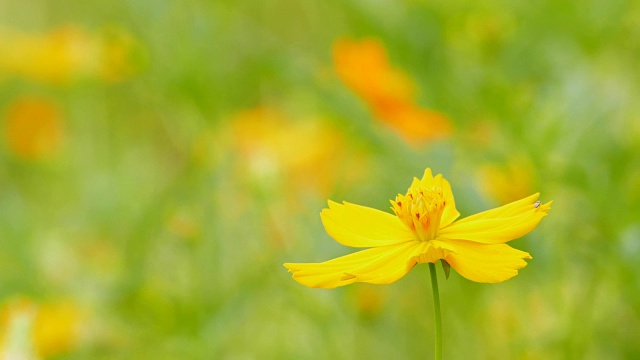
{"x": 436, "y": 308}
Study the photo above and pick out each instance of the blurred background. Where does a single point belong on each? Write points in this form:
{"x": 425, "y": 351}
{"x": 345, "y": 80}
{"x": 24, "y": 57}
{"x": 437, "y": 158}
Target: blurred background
{"x": 161, "y": 160}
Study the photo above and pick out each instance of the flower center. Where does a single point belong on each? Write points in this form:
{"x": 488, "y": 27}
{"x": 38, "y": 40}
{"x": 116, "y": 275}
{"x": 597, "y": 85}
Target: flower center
{"x": 421, "y": 209}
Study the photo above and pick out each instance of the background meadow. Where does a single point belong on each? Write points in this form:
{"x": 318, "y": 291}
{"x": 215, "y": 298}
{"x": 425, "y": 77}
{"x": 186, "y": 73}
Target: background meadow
{"x": 161, "y": 160}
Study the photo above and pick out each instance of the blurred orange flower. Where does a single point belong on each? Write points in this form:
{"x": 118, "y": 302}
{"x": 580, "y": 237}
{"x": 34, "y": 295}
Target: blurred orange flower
{"x": 417, "y": 125}
{"x": 64, "y": 54}
{"x": 33, "y": 128}
{"x": 365, "y": 68}
{"x": 48, "y": 329}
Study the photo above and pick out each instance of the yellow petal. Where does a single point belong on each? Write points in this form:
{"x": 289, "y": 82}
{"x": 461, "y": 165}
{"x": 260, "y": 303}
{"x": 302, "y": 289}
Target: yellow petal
{"x": 380, "y": 265}
{"x": 430, "y": 252}
{"x": 360, "y": 226}
{"x": 498, "y": 225}
{"x": 485, "y": 263}
{"x": 450, "y": 213}
{"x": 507, "y": 210}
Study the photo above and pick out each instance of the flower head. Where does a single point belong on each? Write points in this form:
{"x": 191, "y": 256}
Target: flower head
{"x": 390, "y": 93}
{"x": 423, "y": 229}
{"x": 364, "y": 67}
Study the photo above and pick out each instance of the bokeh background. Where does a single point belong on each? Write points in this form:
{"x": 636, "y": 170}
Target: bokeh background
{"x": 160, "y": 160}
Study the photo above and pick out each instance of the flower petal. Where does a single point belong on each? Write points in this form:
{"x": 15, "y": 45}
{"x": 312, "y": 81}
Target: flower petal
{"x": 380, "y": 265}
{"x": 430, "y": 252}
{"x": 450, "y": 213}
{"x": 485, "y": 263}
{"x": 498, "y": 225}
{"x": 360, "y": 226}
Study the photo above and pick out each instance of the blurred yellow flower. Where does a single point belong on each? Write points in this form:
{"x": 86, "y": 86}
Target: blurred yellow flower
{"x": 33, "y": 128}
{"x": 51, "y": 329}
{"x": 365, "y": 68}
{"x": 305, "y": 154}
{"x": 369, "y": 300}
{"x": 507, "y": 182}
{"x": 64, "y": 54}
{"x": 117, "y": 52}
{"x": 423, "y": 230}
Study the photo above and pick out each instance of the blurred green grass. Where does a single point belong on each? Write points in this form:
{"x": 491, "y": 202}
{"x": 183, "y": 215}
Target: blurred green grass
{"x": 166, "y": 223}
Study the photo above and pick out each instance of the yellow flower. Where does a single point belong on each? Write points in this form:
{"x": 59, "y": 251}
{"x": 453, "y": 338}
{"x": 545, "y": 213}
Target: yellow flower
{"x": 263, "y": 138}
{"x": 507, "y": 181}
{"x": 64, "y": 54}
{"x": 424, "y": 229}
{"x": 50, "y": 329}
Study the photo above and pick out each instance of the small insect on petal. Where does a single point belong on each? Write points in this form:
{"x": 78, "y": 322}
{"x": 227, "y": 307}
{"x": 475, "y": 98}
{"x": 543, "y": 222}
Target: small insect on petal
{"x": 536, "y": 204}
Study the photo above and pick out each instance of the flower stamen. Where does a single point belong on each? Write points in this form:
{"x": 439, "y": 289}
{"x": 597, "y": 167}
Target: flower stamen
{"x": 421, "y": 210}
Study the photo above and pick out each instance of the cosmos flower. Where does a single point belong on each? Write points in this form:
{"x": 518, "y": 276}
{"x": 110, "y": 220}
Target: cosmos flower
{"x": 389, "y": 92}
{"x": 365, "y": 68}
{"x": 424, "y": 229}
